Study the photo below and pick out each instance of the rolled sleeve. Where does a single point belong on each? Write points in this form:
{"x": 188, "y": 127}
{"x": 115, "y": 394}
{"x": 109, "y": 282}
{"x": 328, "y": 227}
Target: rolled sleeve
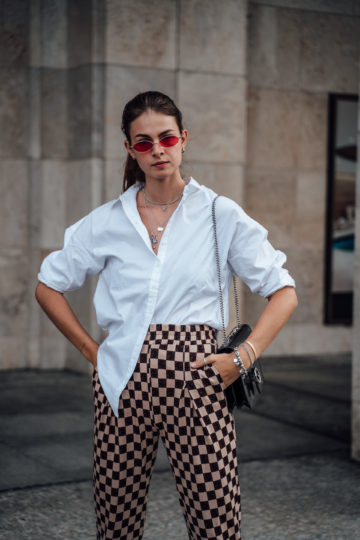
{"x": 252, "y": 257}
{"x": 68, "y": 269}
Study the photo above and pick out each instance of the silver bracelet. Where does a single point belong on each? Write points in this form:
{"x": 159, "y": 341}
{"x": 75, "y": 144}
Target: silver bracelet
{"x": 239, "y": 362}
{"x": 244, "y": 346}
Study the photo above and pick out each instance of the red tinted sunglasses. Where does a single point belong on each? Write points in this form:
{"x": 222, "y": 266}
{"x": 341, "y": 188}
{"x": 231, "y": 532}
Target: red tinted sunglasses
{"x": 166, "y": 142}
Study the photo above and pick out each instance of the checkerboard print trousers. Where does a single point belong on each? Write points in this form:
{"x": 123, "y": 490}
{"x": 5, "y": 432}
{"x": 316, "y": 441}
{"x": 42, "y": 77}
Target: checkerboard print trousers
{"x": 187, "y": 408}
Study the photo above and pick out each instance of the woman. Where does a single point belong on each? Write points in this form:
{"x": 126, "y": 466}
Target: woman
{"x": 157, "y": 297}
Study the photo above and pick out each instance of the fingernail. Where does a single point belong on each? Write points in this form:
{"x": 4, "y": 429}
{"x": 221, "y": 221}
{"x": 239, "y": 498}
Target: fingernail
{"x": 193, "y": 364}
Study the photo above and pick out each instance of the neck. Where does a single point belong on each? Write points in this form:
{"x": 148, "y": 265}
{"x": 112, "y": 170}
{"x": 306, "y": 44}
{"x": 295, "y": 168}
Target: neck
{"x": 164, "y": 189}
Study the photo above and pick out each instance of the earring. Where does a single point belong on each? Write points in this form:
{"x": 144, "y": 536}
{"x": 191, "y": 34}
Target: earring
{"x": 182, "y": 150}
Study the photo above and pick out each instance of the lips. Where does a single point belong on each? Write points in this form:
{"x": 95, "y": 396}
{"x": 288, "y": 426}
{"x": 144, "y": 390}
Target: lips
{"x": 160, "y": 164}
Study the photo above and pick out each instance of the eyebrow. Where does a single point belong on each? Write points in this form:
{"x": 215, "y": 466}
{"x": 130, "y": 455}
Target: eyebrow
{"x": 145, "y": 136}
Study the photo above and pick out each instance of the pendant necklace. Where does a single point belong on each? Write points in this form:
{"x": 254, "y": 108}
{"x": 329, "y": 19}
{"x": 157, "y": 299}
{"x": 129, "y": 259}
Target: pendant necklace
{"x": 160, "y": 228}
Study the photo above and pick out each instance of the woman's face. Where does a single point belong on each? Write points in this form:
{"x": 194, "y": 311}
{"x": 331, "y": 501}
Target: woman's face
{"x": 158, "y": 162}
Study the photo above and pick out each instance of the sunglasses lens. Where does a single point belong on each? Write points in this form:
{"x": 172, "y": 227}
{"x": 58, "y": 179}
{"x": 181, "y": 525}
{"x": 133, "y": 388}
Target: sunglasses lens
{"x": 142, "y": 146}
{"x": 169, "y": 141}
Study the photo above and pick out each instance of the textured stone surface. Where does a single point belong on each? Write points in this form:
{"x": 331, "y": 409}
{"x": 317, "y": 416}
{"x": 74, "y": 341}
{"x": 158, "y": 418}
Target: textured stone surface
{"x": 266, "y": 193}
{"x": 273, "y": 129}
{"x": 114, "y": 172}
{"x": 13, "y": 292}
{"x": 141, "y": 33}
{"x": 312, "y": 338}
{"x": 320, "y": 70}
{"x": 53, "y": 28}
{"x": 213, "y": 108}
{"x": 54, "y": 113}
{"x": 306, "y": 265}
{"x": 79, "y": 109}
{"x": 53, "y": 187}
{"x": 13, "y": 351}
{"x": 80, "y": 32}
{"x": 13, "y": 203}
{"x": 312, "y": 145}
{"x": 122, "y": 84}
{"x": 14, "y": 46}
{"x": 274, "y": 38}
{"x": 84, "y": 188}
{"x": 213, "y": 38}
{"x": 34, "y": 145}
{"x": 224, "y": 179}
{"x": 14, "y": 116}
{"x": 328, "y": 6}
{"x": 310, "y": 209}
{"x": 286, "y": 130}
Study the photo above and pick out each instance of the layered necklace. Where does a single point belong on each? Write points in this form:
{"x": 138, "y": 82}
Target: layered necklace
{"x": 160, "y": 227}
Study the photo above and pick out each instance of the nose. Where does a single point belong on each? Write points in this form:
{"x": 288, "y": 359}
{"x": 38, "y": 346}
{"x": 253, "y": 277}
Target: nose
{"x": 157, "y": 148}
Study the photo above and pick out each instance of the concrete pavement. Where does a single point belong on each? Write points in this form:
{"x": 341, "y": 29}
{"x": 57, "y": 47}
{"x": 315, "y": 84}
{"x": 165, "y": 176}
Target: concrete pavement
{"x": 296, "y": 475}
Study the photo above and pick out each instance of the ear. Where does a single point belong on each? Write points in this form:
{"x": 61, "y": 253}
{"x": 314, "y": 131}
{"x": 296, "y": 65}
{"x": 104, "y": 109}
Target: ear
{"x": 184, "y": 135}
{"x": 127, "y": 146}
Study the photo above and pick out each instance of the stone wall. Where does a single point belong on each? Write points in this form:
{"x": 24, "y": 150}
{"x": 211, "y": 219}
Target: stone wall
{"x": 251, "y": 79}
{"x": 67, "y": 69}
{"x": 296, "y": 55}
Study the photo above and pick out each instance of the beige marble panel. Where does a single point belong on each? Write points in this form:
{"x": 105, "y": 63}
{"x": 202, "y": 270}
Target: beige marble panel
{"x": 312, "y": 144}
{"x": 79, "y": 32}
{"x": 13, "y": 203}
{"x": 302, "y": 339}
{"x": 141, "y": 33}
{"x": 99, "y": 31}
{"x": 54, "y": 129}
{"x": 53, "y": 28}
{"x": 14, "y": 112}
{"x": 306, "y": 265}
{"x": 327, "y": 6}
{"x": 213, "y": 108}
{"x": 79, "y": 111}
{"x": 330, "y": 52}
{"x": 35, "y": 33}
{"x": 53, "y": 180}
{"x": 13, "y": 353}
{"x": 286, "y": 130}
{"x": 53, "y": 351}
{"x": 14, "y": 267}
{"x": 309, "y": 226}
{"x": 274, "y": 129}
{"x": 224, "y": 179}
{"x": 114, "y": 172}
{"x": 316, "y": 338}
{"x": 14, "y": 50}
{"x": 274, "y": 54}
{"x": 270, "y": 198}
{"x": 122, "y": 84}
{"x": 34, "y": 143}
{"x": 84, "y": 188}
{"x": 213, "y": 36}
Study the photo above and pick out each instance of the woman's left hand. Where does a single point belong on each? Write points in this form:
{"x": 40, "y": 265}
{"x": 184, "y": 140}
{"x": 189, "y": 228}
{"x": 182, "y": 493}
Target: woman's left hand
{"x": 224, "y": 363}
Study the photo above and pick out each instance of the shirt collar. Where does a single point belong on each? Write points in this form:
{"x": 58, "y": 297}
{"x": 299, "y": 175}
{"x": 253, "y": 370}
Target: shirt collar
{"x": 191, "y": 185}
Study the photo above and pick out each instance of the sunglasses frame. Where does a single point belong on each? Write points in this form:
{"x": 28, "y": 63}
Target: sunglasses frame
{"x": 159, "y": 141}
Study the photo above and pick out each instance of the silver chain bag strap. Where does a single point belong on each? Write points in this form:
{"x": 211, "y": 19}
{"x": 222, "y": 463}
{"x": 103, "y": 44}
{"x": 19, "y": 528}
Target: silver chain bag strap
{"x": 247, "y": 388}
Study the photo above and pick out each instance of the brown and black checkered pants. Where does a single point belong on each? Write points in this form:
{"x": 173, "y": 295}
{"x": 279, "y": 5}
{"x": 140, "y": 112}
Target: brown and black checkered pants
{"x": 187, "y": 408}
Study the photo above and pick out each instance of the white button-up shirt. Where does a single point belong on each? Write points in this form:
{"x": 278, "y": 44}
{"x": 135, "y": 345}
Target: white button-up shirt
{"x": 179, "y": 285}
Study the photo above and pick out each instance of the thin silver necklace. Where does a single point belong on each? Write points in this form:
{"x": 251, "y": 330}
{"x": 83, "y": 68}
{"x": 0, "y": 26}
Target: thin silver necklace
{"x": 163, "y": 205}
{"x": 159, "y": 228}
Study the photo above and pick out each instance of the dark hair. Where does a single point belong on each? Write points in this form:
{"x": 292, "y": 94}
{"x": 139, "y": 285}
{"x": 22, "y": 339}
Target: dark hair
{"x": 157, "y": 102}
